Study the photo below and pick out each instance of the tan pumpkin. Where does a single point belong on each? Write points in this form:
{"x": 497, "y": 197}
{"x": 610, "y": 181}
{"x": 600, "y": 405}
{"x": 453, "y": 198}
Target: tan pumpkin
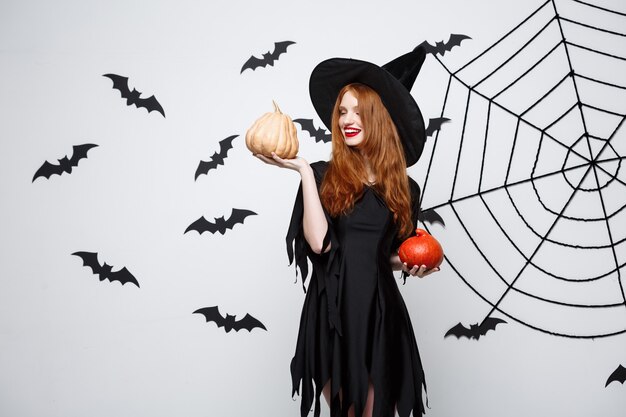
{"x": 273, "y": 132}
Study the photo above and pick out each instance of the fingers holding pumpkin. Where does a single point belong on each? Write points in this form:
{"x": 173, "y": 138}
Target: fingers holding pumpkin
{"x": 295, "y": 164}
{"x": 265, "y": 159}
{"x": 418, "y": 271}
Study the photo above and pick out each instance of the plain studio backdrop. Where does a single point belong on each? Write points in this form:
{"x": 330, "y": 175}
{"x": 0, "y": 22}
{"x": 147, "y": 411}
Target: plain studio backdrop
{"x": 71, "y": 345}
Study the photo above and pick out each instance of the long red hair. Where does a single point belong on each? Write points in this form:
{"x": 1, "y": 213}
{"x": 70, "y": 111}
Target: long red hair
{"x": 344, "y": 182}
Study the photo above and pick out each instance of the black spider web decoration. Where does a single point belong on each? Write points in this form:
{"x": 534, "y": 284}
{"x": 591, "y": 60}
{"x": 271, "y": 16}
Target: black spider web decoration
{"x": 538, "y": 189}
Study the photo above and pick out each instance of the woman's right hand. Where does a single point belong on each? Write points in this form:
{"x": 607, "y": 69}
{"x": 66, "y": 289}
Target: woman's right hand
{"x": 296, "y": 164}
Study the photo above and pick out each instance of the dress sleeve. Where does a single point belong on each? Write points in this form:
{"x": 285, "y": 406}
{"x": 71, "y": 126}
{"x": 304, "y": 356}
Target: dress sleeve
{"x": 415, "y": 202}
{"x": 298, "y": 249}
{"x": 415, "y": 214}
{"x": 415, "y": 210}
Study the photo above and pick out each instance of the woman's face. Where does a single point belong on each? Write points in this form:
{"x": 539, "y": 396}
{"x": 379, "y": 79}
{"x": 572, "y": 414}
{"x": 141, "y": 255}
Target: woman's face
{"x": 349, "y": 120}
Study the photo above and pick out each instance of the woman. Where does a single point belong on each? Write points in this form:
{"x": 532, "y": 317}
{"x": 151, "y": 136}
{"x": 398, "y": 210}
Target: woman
{"x": 356, "y": 344}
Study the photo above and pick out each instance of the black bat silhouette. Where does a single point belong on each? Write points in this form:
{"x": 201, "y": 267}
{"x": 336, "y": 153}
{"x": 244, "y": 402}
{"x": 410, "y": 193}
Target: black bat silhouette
{"x": 619, "y": 375}
{"x": 65, "y": 164}
{"x": 229, "y": 322}
{"x": 435, "y": 124}
{"x": 217, "y": 158}
{"x": 319, "y": 134}
{"x": 104, "y": 271}
{"x": 441, "y": 48}
{"x": 432, "y": 217}
{"x": 134, "y": 97}
{"x": 220, "y": 225}
{"x": 475, "y": 330}
{"x": 268, "y": 58}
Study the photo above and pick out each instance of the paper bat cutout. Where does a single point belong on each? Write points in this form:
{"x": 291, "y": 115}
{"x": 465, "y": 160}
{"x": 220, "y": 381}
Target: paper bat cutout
{"x": 65, "y": 164}
{"x": 475, "y": 330}
{"x": 318, "y": 134}
{"x": 217, "y": 158}
{"x": 432, "y": 217}
{"x": 268, "y": 58}
{"x": 229, "y": 323}
{"x": 220, "y": 225}
{"x": 134, "y": 97}
{"x": 619, "y": 375}
{"x": 441, "y": 48}
{"x": 104, "y": 271}
{"x": 435, "y": 125}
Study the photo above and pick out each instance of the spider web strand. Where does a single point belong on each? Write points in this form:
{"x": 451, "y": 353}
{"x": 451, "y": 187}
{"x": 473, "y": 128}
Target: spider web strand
{"x": 608, "y": 228}
{"x": 597, "y": 336}
{"x": 517, "y": 52}
{"x": 600, "y": 8}
{"x": 509, "y": 164}
{"x": 502, "y": 38}
{"x": 600, "y": 81}
{"x": 482, "y": 254}
{"x": 519, "y": 182}
{"x": 564, "y": 19}
{"x": 482, "y": 162}
{"x": 458, "y": 158}
{"x": 432, "y": 154}
{"x": 554, "y": 48}
{"x": 595, "y": 51}
{"x": 519, "y": 274}
{"x": 501, "y": 107}
{"x": 602, "y": 110}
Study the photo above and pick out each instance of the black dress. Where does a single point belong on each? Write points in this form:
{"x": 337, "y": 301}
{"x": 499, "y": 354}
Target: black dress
{"x": 355, "y": 327}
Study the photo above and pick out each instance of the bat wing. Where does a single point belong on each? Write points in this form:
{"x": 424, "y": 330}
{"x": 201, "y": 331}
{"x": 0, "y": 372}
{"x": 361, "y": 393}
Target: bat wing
{"x": 455, "y": 40}
{"x": 459, "y": 331}
{"x": 202, "y": 225}
{"x": 47, "y": 170}
{"x": 123, "y": 276}
{"x": 318, "y": 133}
{"x": 280, "y": 48}
{"x": 119, "y": 83}
{"x": 217, "y": 158}
{"x": 248, "y": 323}
{"x": 253, "y": 63}
{"x": 619, "y": 375}
{"x": 238, "y": 216}
{"x": 212, "y": 314}
{"x": 90, "y": 259}
{"x": 432, "y": 217}
{"x": 441, "y": 48}
{"x": 489, "y": 323}
{"x": 306, "y": 125}
{"x": 204, "y": 167}
{"x": 226, "y": 145}
{"x": 428, "y": 48}
{"x": 151, "y": 104}
{"x": 435, "y": 125}
{"x": 268, "y": 58}
{"x": 80, "y": 152}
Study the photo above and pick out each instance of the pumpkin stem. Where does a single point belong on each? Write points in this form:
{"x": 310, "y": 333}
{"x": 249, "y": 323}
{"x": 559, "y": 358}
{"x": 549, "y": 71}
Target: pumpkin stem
{"x": 276, "y": 109}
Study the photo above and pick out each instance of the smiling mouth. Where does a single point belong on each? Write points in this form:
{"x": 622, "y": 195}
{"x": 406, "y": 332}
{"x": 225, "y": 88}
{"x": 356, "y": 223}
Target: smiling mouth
{"x": 351, "y": 132}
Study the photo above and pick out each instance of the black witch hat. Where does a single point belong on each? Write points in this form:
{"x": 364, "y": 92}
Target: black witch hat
{"x": 392, "y": 81}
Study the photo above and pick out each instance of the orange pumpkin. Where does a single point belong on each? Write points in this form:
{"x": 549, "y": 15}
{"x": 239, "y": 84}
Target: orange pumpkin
{"x": 273, "y": 132}
{"x": 421, "y": 249}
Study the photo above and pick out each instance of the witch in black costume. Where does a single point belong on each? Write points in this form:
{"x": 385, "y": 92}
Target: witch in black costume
{"x": 356, "y": 343}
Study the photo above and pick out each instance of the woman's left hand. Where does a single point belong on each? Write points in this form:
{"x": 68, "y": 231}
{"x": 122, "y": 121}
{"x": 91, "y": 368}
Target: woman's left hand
{"x": 418, "y": 271}
{"x": 296, "y": 164}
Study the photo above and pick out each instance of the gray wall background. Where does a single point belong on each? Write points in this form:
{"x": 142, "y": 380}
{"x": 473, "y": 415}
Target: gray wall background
{"x": 73, "y": 346}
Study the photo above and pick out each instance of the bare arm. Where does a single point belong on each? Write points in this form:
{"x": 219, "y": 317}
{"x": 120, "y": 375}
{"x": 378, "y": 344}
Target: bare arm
{"x": 314, "y": 221}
